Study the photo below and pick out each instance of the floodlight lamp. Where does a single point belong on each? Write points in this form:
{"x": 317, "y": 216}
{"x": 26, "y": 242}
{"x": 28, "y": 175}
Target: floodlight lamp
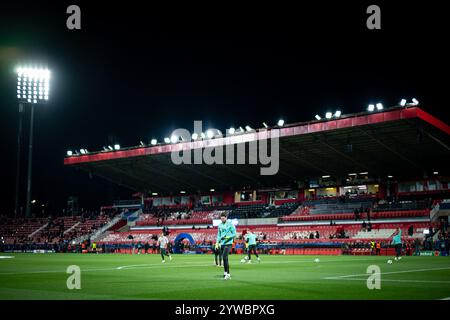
{"x": 403, "y": 102}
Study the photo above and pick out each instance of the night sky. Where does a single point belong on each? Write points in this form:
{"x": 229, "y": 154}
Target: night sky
{"x": 136, "y": 72}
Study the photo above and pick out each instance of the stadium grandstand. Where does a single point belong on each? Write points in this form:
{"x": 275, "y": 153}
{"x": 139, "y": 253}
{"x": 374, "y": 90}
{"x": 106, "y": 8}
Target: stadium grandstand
{"x": 342, "y": 184}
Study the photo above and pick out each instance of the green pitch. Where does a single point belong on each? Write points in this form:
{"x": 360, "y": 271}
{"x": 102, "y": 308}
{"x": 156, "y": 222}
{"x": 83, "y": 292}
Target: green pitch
{"x": 113, "y": 276}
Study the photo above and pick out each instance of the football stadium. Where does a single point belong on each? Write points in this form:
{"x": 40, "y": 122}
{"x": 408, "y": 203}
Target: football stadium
{"x": 230, "y": 158}
{"x": 345, "y": 188}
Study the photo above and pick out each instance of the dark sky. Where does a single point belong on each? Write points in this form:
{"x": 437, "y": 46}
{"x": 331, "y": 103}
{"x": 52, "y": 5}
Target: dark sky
{"x": 135, "y": 72}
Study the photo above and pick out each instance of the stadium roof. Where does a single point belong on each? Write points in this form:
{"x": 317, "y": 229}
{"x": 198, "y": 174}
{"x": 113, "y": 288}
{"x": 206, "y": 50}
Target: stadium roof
{"x": 404, "y": 142}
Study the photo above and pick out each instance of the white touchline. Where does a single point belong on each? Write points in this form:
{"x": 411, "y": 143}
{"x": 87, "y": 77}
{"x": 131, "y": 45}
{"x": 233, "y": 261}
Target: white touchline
{"x": 173, "y": 265}
{"x": 391, "y": 272}
{"x": 390, "y": 280}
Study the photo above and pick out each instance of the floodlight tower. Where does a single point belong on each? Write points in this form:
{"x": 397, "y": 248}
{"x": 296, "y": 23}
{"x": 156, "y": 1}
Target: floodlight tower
{"x": 33, "y": 86}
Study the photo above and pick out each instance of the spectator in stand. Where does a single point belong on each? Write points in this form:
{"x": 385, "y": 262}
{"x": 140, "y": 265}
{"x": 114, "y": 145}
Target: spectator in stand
{"x": 364, "y": 226}
{"x": 410, "y": 230}
{"x": 317, "y": 235}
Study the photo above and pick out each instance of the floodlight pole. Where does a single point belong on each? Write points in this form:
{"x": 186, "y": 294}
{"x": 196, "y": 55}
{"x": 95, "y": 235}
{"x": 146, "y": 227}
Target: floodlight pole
{"x": 30, "y": 159}
{"x": 19, "y": 145}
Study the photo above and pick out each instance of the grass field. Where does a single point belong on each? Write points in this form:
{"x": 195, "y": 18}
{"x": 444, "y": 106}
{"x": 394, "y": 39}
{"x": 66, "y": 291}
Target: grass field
{"x": 113, "y": 276}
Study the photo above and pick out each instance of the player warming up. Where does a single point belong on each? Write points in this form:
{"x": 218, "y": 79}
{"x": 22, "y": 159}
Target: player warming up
{"x": 162, "y": 243}
{"x": 250, "y": 239}
{"x": 397, "y": 242}
{"x": 225, "y": 235}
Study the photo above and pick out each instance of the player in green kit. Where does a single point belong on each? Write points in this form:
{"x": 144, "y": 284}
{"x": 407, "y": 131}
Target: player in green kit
{"x": 250, "y": 239}
{"x": 397, "y": 242}
{"x": 225, "y": 235}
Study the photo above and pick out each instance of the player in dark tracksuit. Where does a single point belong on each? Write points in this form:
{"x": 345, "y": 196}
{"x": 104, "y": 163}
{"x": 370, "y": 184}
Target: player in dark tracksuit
{"x": 225, "y": 235}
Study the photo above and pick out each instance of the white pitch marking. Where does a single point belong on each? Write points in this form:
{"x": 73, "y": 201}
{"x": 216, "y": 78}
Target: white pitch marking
{"x": 392, "y": 280}
{"x": 6, "y": 257}
{"x": 173, "y": 265}
{"x": 392, "y": 272}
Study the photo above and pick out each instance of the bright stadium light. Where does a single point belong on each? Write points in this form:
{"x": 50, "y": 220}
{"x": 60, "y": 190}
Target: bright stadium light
{"x": 280, "y": 123}
{"x": 183, "y": 192}
{"x": 265, "y": 125}
{"x": 212, "y": 190}
{"x": 390, "y": 177}
{"x": 364, "y": 173}
{"x": 154, "y": 193}
{"x": 379, "y": 106}
{"x": 174, "y": 139}
{"x": 83, "y": 151}
{"x": 248, "y": 128}
{"x": 325, "y": 176}
{"x": 110, "y": 148}
{"x": 195, "y": 136}
{"x": 318, "y": 117}
{"x": 142, "y": 143}
{"x": 338, "y": 113}
{"x": 69, "y": 153}
{"x": 202, "y": 135}
{"x": 167, "y": 140}
{"x": 33, "y": 85}
{"x": 435, "y": 172}
{"x": 153, "y": 142}
{"x": 403, "y": 102}
{"x": 231, "y": 130}
{"x": 117, "y": 146}
{"x": 371, "y": 107}
{"x": 328, "y": 115}
{"x": 415, "y": 101}
{"x": 210, "y": 134}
